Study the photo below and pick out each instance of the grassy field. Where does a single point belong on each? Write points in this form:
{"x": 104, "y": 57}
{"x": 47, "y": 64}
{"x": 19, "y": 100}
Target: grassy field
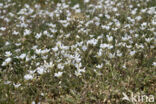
{"x": 77, "y": 51}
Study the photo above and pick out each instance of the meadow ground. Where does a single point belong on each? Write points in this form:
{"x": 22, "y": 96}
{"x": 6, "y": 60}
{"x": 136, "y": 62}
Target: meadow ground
{"x": 77, "y": 51}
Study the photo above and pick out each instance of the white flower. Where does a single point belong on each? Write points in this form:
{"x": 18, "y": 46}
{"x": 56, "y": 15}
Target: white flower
{"x": 45, "y": 51}
{"x": 42, "y": 94}
{"x": 38, "y": 35}
{"x": 41, "y": 70}
{"x": 15, "y": 33}
{"x": 49, "y": 65}
{"x": 86, "y": 1}
{"x": 77, "y": 57}
{"x": 27, "y": 59}
{"x": 76, "y": 6}
{"x": 124, "y": 66}
{"x": 84, "y": 48}
{"x": 136, "y": 35}
{"x": 1, "y": 4}
{"x": 16, "y": 85}
{"x": 140, "y": 46}
{"x": 7, "y": 82}
{"x": 105, "y": 27}
{"x": 119, "y": 53}
{"x": 111, "y": 55}
{"x": 103, "y": 45}
{"x": 22, "y": 56}
{"x": 132, "y": 53}
{"x": 59, "y": 74}
{"x": 115, "y": 9}
{"x": 92, "y": 41}
{"x": 31, "y": 71}
{"x": 27, "y": 32}
{"x": 33, "y": 102}
{"x": 7, "y": 61}
{"x": 45, "y": 32}
{"x": 106, "y": 46}
{"x": 100, "y": 52}
{"x": 134, "y": 11}
{"x": 154, "y": 64}
{"x": 8, "y": 53}
{"x": 55, "y": 49}
{"x": 126, "y": 37}
{"x": 28, "y": 77}
{"x": 148, "y": 39}
{"x": 38, "y": 51}
{"x": 3, "y": 28}
{"x": 60, "y": 66}
{"x": 151, "y": 10}
{"x": 17, "y": 44}
{"x": 44, "y": 57}
{"x": 7, "y": 43}
{"x": 107, "y": 16}
{"x": 59, "y": 44}
{"x": 138, "y": 18}
{"x": 109, "y": 38}
{"x": 79, "y": 71}
{"x": 99, "y": 66}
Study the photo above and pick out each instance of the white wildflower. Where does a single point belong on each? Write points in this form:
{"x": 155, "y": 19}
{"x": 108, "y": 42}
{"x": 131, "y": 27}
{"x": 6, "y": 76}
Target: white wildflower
{"x": 79, "y": 71}
{"x": 55, "y": 49}
{"x": 28, "y": 77}
{"x": 132, "y": 53}
{"x": 86, "y": 1}
{"x": 154, "y": 64}
{"x": 7, "y": 43}
{"x": 84, "y": 48}
{"x": 38, "y": 51}
{"x": 3, "y": 28}
{"x": 27, "y": 32}
{"x": 45, "y": 51}
{"x": 109, "y": 38}
{"x": 17, "y": 85}
{"x": 15, "y": 32}
{"x": 99, "y": 66}
{"x": 8, "y": 53}
{"x": 38, "y": 35}
{"x": 7, "y": 61}
{"x": 60, "y": 66}
{"x": 59, "y": 74}
{"x": 22, "y": 56}
{"x": 138, "y": 18}
{"x": 41, "y": 70}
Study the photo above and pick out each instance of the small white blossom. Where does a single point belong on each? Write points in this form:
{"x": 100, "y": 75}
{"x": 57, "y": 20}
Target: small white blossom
{"x": 55, "y": 49}
{"x": 79, "y": 71}
{"x": 15, "y": 33}
{"x": 99, "y": 66}
{"x": 28, "y": 77}
{"x": 86, "y": 1}
{"x": 132, "y": 53}
{"x": 3, "y": 28}
{"x": 8, "y": 53}
{"x": 41, "y": 70}
{"x": 38, "y": 35}
{"x": 22, "y": 56}
{"x": 59, "y": 74}
{"x": 154, "y": 64}
{"x": 60, "y": 66}
{"x": 17, "y": 85}
{"x": 27, "y": 32}
{"x": 84, "y": 48}
{"x": 7, "y": 61}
